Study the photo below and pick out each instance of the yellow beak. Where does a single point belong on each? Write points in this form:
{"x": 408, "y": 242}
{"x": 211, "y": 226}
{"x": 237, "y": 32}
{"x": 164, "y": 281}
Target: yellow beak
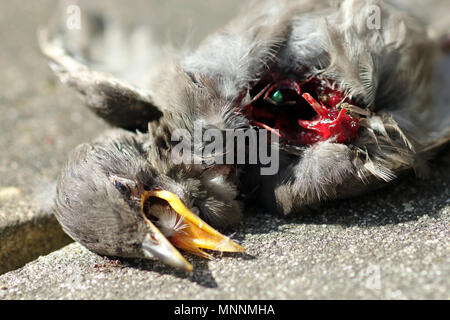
{"x": 197, "y": 234}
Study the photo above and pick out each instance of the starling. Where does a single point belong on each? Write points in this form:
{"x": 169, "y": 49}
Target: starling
{"x": 354, "y": 91}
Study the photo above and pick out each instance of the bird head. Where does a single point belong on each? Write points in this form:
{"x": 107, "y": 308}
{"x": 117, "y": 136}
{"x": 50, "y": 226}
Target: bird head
{"x": 112, "y": 200}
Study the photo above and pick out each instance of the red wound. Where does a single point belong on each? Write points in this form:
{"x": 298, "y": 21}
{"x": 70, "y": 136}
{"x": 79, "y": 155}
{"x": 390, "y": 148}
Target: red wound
{"x": 304, "y": 113}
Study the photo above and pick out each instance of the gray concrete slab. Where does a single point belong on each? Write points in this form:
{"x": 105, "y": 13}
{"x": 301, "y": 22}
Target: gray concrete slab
{"x": 394, "y": 243}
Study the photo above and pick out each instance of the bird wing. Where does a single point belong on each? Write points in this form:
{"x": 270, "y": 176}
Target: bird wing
{"x": 105, "y": 87}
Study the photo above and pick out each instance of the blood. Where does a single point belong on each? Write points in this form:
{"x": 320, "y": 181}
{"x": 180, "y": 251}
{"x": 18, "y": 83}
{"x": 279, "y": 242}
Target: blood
{"x": 309, "y": 113}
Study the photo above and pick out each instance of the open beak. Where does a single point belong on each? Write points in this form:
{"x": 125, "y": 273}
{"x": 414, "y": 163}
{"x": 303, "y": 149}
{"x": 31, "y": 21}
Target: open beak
{"x": 193, "y": 237}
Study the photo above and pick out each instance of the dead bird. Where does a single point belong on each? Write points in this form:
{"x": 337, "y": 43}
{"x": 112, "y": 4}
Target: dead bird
{"x": 356, "y": 92}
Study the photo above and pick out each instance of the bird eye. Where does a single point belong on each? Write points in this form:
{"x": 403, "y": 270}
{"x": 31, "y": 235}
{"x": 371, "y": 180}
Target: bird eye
{"x": 126, "y": 187}
{"x": 121, "y": 187}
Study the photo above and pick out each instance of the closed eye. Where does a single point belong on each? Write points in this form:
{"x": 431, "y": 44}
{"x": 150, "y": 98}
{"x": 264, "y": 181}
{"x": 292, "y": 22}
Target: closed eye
{"x": 123, "y": 189}
{"x": 126, "y": 187}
